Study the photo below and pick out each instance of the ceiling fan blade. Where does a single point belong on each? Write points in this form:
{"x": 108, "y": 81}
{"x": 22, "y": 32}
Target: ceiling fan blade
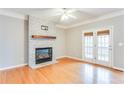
{"x": 71, "y": 10}
{"x": 71, "y": 16}
{"x": 57, "y": 14}
{"x": 62, "y": 18}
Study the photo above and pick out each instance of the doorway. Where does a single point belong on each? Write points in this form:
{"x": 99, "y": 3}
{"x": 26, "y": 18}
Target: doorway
{"x": 97, "y": 46}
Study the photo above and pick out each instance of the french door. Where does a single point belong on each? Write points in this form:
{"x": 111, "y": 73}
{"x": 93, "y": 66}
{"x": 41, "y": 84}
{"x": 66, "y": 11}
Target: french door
{"x": 98, "y": 47}
{"x": 89, "y": 46}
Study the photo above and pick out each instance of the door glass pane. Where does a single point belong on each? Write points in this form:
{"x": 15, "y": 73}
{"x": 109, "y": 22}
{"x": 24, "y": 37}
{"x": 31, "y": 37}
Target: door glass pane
{"x": 103, "y": 47}
{"x": 88, "y": 47}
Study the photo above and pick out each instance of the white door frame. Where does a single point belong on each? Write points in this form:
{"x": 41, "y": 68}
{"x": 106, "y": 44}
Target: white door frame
{"x": 83, "y": 57}
{"x": 112, "y": 43}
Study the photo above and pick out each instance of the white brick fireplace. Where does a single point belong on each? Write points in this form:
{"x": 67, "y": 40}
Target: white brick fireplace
{"x": 35, "y": 29}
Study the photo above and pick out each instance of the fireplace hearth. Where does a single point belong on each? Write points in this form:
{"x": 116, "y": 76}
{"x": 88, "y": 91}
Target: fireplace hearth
{"x": 43, "y": 55}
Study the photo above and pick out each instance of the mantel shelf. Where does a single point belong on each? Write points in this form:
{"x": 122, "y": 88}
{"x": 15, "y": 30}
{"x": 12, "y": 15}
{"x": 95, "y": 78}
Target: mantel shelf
{"x": 43, "y": 37}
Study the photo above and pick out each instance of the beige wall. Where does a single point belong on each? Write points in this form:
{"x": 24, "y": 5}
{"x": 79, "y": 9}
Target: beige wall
{"x": 14, "y": 42}
{"x": 74, "y": 39}
{"x": 61, "y": 43}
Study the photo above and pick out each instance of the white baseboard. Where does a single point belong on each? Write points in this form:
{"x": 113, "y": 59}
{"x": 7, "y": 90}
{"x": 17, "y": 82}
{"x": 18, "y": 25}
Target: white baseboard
{"x": 75, "y": 58}
{"x": 70, "y": 57}
{"x": 11, "y": 67}
{"x": 121, "y": 69}
{"x": 21, "y": 65}
{"x": 61, "y": 57}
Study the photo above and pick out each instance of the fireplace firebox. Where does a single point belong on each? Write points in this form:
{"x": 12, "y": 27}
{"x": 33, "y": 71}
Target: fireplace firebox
{"x": 43, "y": 55}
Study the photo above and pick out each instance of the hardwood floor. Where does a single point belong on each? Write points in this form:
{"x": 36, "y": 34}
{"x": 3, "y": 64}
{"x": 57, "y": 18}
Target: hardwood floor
{"x": 67, "y": 71}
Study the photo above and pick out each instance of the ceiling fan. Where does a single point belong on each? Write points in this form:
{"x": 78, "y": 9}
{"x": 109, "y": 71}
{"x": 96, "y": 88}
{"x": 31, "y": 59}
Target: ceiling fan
{"x": 66, "y": 14}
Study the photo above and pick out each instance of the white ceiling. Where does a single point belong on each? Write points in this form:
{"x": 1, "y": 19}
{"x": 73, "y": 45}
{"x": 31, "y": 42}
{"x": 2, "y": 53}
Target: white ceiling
{"x": 82, "y": 14}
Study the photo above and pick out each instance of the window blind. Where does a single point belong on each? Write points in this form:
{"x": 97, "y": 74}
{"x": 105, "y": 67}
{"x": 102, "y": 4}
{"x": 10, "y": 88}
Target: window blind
{"x": 88, "y": 34}
{"x": 104, "y": 32}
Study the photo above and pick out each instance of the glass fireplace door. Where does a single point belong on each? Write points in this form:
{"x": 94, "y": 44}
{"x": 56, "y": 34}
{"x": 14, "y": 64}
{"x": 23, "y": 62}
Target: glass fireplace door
{"x": 43, "y": 55}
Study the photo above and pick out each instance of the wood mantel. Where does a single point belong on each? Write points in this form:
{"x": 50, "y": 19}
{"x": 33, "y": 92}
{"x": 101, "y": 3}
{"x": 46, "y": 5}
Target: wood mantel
{"x": 44, "y": 37}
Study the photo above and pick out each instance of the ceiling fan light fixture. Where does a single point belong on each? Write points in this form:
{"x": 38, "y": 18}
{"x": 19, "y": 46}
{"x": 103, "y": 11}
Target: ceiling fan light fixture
{"x": 64, "y": 17}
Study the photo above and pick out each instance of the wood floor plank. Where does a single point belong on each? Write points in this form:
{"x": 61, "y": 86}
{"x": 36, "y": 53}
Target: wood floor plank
{"x": 66, "y": 71}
